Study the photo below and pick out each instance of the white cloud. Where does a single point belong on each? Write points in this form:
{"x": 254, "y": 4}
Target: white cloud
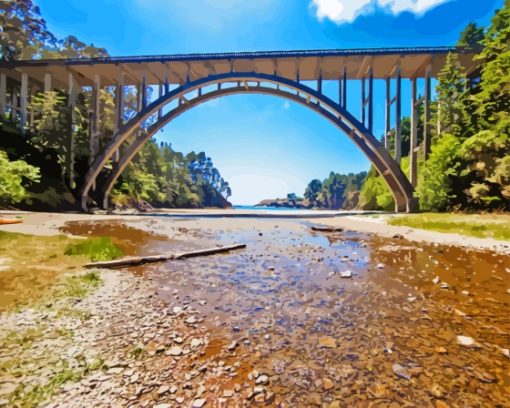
{"x": 341, "y": 11}
{"x": 286, "y": 105}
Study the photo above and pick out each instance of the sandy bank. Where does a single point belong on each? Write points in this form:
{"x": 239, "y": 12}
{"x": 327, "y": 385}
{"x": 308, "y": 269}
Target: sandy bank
{"x": 49, "y": 224}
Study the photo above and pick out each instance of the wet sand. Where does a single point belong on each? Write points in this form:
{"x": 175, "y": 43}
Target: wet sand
{"x": 299, "y": 318}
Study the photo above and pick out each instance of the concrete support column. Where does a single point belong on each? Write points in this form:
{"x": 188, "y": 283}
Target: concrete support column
{"x": 119, "y": 109}
{"x": 363, "y": 100}
{"x": 3, "y": 94}
{"x": 371, "y": 100}
{"x": 398, "y": 115}
{"x": 119, "y": 102}
{"x": 14, "y": 104}
{"x": 387, "y": 128}
{"x": 47, "y": 83}
{"x": 72, "y": 93}
{"x": 161, "y": 93}
{"x": 426, "y": 122}
{"x": 23, "y": 103}
{"x": 167, "y": 85}
{"x": 142, "y": 93}
{"x": 340, "y": 92}
{"x": 94, "y": 118}
{"x": 413, "y": 171}
{"x": 344, "y": 89}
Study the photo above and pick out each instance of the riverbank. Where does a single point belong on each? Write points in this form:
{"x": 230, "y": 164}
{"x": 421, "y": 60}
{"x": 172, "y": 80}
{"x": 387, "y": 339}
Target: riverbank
{"x": 367, "y": 222}
{"x": 379, "y": 319}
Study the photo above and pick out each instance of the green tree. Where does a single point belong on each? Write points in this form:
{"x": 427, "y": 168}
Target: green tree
{"x": 451, "y": 94}
{"x": 15, "y": 176}
{"x": 312, "y": 191}
{"x": 24, "y": 33}
{"x": 472, "y": 36}
{"x": 439, "y": 176}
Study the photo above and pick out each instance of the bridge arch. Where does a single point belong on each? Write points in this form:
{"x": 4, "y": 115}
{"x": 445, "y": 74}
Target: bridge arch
{"x": 195, "y": 93}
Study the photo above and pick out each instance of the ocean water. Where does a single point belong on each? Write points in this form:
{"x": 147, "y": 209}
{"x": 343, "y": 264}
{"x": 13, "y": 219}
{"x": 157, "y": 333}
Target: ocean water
{"x": 256, "y": 208}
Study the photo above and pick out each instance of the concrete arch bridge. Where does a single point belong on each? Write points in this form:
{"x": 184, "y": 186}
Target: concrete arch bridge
{"x": 186, "y": 81}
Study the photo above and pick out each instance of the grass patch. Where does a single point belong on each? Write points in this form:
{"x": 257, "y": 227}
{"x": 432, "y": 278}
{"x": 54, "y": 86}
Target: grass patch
{"x": 96, "y": 248}
{"x": 34, "y": 267}
{"x": 475, "y": 225}
{"x": 77, "y": 286}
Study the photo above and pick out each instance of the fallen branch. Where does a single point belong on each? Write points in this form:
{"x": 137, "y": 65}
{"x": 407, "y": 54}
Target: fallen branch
{"x": 327, "y": 229}
{"x": 4, "y": 221}
{"x": 140, "y": 260}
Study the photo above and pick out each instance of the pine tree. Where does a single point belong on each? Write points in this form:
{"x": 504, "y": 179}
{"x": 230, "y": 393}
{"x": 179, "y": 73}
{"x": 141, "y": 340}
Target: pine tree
{"x": 472, "y": 36}
{"x": 451, "y": 95}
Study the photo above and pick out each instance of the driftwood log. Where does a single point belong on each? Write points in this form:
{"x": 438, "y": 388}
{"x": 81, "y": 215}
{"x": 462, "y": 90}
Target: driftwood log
{"x": 140, "y": 260}
{"x": 327, "y": 229}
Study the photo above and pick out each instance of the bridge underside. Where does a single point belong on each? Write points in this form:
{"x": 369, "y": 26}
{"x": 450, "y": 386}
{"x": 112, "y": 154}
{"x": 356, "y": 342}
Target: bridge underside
{"x": 185, "y": 81}
{"x": 195, "y": 93}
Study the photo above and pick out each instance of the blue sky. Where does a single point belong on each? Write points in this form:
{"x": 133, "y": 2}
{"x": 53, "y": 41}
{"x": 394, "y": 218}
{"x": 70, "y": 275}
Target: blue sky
{"x": 264, "y": 146}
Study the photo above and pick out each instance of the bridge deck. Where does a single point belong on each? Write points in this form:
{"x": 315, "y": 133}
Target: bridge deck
{"x": 329, "y": 64}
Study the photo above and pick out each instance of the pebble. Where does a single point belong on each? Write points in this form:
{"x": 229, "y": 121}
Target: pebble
{"x": 163, "y": 389}
{"x": 346, "y": 274}
{"x": 327, "y": 342}
{"x": 401, "y": 372}
{"x": 174, "y": 351}
{"x": 262, "y": 380}
{"x": 199, "y": 403}
{"x": 467, "y": 341}
{"x": 327, "y": 383}
{"x": 228, "y": 393}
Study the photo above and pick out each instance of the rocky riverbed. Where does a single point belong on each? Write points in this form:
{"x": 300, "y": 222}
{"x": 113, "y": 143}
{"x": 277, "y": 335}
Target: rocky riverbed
{"x": 299, "y": 318}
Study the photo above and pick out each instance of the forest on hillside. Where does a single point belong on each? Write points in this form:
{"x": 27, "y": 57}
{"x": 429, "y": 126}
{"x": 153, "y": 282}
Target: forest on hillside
{"x": 39, "y": 169}
{"x": 469, "y": 165}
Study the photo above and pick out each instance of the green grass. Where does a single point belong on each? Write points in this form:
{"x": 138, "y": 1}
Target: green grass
{"x": 77, "y": 286}
{"x": 475, "y": 225}
{"x": 97, "y": 249}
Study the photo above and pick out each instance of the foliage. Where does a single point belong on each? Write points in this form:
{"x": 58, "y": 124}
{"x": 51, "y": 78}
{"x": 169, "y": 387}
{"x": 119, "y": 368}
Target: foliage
{"x": 97, "y": 249}
{"x": 438, "y": 176}
{"x": 333, "y": 191}
{"x": 164, "y": 177}
{"x": 375, "y": 193}
{"x": 494, "y": 96}
{"x": 472, "y": 36}
{"x": 24, "y": 32}
{"x": 14, "y": 178}
{"x": 451, "y": 90}
{"x": 487, "y": 156}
